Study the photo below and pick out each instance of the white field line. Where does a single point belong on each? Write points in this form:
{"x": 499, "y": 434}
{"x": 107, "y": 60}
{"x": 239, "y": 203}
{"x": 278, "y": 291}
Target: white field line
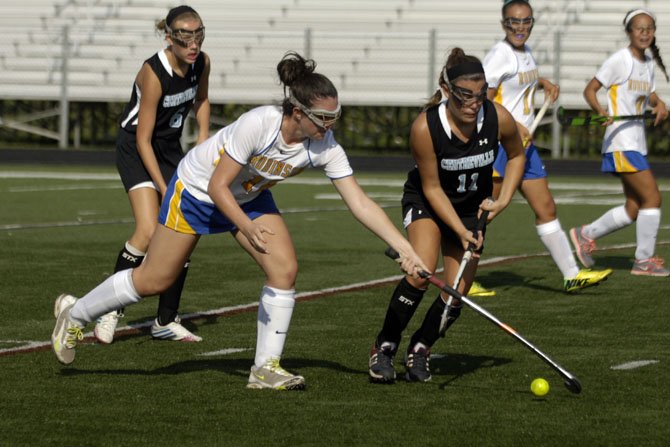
{"x": 30, "y": 346}
{"x": 224, "y": 352}
{"x": 633, "y": 365}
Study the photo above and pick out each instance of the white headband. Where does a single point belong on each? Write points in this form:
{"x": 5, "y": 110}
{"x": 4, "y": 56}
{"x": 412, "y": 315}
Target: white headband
{"x": 637, "y": 12}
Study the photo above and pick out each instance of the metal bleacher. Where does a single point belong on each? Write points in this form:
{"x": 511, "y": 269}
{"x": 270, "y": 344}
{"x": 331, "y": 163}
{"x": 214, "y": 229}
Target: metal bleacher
{"x": 378, "y": 52}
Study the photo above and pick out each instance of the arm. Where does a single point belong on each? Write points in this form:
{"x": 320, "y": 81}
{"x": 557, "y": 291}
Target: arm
{"x": 551, "y": 91}
{"x": 201, "y": 107}
{"x": 219, "y": 190}
{"x": 513, "y": 146}
{"x": 424, "y": 155}
{"x": 590, "y": 95}
{"x": 367, "y": 212}
{"x": 658, "y": 107}
{"x": 150, "y": 86}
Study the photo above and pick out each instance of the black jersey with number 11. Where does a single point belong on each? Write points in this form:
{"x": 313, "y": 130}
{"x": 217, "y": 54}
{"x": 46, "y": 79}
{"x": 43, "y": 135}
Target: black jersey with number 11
{"x": 465, "y": 169}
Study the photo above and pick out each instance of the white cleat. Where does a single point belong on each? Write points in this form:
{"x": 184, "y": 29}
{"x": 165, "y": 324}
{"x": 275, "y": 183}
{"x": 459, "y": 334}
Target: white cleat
{"x": 272, "y": 376}
{"x": 106, "y": 326}
{"x": 173, "y": 331}
{"x": 66, "y": 334}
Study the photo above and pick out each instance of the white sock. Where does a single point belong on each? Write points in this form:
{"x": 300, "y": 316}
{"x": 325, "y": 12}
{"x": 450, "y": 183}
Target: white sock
{"x": 553, "y": 237}
{"x": 646, "y": 229}
{"x": 614, "y": 219}
{"x": 274, "y": 317}
{"x": 116, "y": 292}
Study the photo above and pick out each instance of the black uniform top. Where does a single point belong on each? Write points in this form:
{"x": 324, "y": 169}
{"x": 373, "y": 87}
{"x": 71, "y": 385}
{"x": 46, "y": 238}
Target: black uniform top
{"x": 177, "y": 98}
{"x": 465, "y": 169}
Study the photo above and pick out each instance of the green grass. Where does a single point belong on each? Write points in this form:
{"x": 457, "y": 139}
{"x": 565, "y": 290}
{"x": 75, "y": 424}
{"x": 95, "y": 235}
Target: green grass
{"x": 142, "y": 391}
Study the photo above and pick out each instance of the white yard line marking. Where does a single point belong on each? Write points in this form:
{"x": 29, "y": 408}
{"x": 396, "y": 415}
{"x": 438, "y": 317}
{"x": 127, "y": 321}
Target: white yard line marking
{"x": 633, "y": 365}
{"x": 224, "y": 352}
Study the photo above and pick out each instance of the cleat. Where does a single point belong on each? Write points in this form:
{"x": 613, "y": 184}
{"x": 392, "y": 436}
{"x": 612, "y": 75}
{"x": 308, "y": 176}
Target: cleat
{"x": 66, "y": 334}
{"x": 417, "y": 365}
{"x": 62, "y": 302}
{"x": 585, "y": 278}
{"x": 105, "y": 327}
{"x": 477, "y": 290}
{"x": 583, "y": 246}
{"x": 173, "y": 331}
{"x": 272, "y": 376}
{"x": 649, "y": 267}
{"x": 381, "y": 363}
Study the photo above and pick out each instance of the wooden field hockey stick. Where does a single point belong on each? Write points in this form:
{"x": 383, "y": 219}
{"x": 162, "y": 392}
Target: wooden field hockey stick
{"x": 571, "y": 382}
{"x": 593, "y": 120}
{"x": 536, "y": 121}
{"x": 467, "y": 256}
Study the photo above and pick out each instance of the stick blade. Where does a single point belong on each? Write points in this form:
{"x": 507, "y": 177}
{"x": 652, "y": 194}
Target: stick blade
{"x": 573, "y": 385}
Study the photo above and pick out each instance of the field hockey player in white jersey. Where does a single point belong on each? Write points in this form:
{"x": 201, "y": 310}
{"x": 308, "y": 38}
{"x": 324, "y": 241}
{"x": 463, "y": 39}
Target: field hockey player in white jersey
{"x": 222, "y": 185}
{"x": 513, "y": 78}
{"x": 628, "y": 76}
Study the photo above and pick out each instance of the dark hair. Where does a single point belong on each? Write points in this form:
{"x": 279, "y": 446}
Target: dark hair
{"x": 456, "y": 57}
{"x": 508, "y": 3}
{"x": 297, "y": 74}
{"x": 655, "y": 52}
{"x": 177, "y": 13}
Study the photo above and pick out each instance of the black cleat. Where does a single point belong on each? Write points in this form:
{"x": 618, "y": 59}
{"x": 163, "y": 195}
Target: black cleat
{"x": 381, "y": 363}
{"x": 417, "y": 365}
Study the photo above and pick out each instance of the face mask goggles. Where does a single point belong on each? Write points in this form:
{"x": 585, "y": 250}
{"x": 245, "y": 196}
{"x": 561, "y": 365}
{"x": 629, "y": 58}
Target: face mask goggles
{"x": 321, "y": 117}
{"x": 466, "y": 97}
{"x": 516, "y": 25}
{"x": 184, "y": 38}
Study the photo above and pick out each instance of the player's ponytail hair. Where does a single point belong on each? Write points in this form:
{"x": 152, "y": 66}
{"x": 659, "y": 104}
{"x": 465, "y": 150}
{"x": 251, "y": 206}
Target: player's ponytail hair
{"x": 298, "y": 76}
{"x": 456, "y": 57}
{"x": 655, "y": 52}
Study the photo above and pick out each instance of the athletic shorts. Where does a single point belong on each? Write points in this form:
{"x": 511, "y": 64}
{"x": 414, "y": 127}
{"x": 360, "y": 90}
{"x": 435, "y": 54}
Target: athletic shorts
{"x": 130, "y": 166}
{"x": 182, "y": 212}
{"x": 534, "y": 167}
{"x": 417, "y": 209}
{"x": 624, "y": 161}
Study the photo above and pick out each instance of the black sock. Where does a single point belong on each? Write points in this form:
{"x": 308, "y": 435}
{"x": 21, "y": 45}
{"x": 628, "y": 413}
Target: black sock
{"x": 429, "y": 332}
{"x": 404, "y": 302}
{"x": 126, "y": 260}
{"x": 168, "y": 302}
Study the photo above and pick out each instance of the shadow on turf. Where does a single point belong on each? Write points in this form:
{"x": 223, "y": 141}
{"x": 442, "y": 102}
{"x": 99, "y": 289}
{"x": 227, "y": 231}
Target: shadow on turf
{"x": 500, "y": 280}
{"x": 458, "y": 365}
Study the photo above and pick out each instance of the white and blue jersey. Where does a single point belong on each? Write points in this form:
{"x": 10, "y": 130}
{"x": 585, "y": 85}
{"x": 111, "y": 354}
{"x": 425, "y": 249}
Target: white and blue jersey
{"x": 255, "y": 142}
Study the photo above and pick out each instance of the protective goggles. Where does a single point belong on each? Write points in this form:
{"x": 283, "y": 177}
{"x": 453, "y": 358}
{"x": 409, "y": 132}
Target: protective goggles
{"x": 184, "y": 38}
{"x": 512, "y": 23}
{"x": 466, "y": 96}
{"x": 322, "y": 118}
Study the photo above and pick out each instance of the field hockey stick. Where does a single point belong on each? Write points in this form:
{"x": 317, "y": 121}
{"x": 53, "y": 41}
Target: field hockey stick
{"x": 469, "y": 252}
{"x": 536, "y": 121}
{"x": 598, "y": 119}
{"x": 570, "y": 381}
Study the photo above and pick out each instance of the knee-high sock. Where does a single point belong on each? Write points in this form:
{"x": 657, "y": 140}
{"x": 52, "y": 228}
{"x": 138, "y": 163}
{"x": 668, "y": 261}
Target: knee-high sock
{"x": 613, "y": 219}
{"x": 129, "y": 257}
{"x": 274, "y": 318}
{"x": 553, "y": 237}
{"x": 168, "y": 301}
{"x": 114, "y": 293}
{"x": 404, "y": 302}
{"x": 646, "y": 229}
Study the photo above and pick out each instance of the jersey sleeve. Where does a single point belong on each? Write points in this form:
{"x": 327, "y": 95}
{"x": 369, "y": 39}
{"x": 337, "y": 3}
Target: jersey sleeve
{"x": 498, "y": 65}
{"x": 333, "y": 159}
{"x": 245, "y": 139}
{"x": 615, "y": 70}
